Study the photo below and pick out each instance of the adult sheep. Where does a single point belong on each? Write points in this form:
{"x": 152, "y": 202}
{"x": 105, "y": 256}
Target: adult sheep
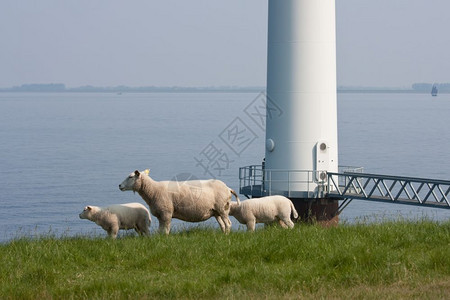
{"x": 266, "y": 210}
{"x": 119, "y": 216}
{"x": 191, "y": 201}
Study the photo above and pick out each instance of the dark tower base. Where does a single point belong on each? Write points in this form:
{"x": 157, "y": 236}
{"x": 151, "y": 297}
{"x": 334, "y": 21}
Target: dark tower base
{"x": 322, "y": 211}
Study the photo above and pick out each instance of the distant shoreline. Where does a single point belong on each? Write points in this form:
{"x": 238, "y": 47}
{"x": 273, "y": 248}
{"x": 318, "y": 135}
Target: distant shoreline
{"x": 221, "y": 91}
{"x": 61, "y": 88}
{"x": 387, "y": 92}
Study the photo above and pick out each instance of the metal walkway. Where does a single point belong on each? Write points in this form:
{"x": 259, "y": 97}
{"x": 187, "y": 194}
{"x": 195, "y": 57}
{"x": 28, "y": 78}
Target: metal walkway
{"x": 348, "y": 186}
{"x": 350, "y": 183}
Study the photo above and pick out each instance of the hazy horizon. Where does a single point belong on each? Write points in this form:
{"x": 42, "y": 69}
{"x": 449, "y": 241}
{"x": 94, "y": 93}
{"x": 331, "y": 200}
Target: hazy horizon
{"x": 210, "y": 43}
{"x": 30, "y": 84}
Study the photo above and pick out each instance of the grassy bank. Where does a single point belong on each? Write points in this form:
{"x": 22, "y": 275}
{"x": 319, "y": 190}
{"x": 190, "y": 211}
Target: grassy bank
{"x": 390, "y": 260}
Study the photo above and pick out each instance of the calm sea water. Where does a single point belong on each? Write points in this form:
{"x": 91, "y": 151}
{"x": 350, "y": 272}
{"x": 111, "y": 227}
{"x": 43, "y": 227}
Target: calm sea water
{"x": 61, "y": 152}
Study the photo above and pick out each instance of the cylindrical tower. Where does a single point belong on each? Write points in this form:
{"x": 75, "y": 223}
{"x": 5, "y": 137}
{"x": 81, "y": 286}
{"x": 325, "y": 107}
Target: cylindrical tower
{"x": 301, "y": 82}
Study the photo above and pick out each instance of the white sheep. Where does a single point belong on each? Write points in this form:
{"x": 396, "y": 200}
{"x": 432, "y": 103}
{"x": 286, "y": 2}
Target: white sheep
{"x": 266, "y": 210}
{"x": 119, "y": 216}
{"x": 192, "y": 201}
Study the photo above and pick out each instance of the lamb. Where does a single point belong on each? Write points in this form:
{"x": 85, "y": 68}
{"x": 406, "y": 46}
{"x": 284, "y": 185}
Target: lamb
{"x": 119, "y": 216}
{"x": 264, "y": 210}
{"x": 192, "y": 201}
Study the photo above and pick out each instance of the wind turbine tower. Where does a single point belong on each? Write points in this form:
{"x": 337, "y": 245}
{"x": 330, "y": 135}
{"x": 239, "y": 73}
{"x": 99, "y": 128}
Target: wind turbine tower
{"x": 301, "y": 141}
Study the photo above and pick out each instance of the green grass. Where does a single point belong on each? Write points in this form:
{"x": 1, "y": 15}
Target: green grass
{"x": 391, "y": 260}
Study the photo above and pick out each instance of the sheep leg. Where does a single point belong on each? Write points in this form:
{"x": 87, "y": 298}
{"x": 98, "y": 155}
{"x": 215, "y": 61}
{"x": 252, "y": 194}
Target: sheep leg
{"x": 221, "y": 223}
{"x": 142, "y": 228}
{"x": 164, "y": 225}
{"x": 282, "y": 224}
{"x": 251, "y": 225}
{"x": 289, "y": 223}
{"x": 286, "y": 223}
{"x": 113, "y": 230}
{"x": 223, "y": 220}
{"x": 227, "y": 218}
{"x": 227, "y": 222}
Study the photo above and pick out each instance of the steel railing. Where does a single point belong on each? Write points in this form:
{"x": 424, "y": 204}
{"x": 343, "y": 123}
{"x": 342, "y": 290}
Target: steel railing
{"x": 256, "y": 181}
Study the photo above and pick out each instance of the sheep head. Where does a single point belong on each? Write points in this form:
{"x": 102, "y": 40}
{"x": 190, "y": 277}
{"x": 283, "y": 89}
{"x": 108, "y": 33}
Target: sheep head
{"x": 234, "y": 207}
{"x": 133, "y": 180}
{"x": 88, "y": 212}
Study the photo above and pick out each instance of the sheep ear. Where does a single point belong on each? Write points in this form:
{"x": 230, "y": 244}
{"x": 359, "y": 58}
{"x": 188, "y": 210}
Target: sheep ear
{"x": 136, "y": 173}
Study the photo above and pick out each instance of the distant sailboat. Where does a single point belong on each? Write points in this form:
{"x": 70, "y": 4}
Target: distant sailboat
{"x": 434, "y": 91}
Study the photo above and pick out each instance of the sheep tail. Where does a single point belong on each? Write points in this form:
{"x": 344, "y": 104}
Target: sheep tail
{"x": 293, "y": 211}
{"x": 235, "y": 195}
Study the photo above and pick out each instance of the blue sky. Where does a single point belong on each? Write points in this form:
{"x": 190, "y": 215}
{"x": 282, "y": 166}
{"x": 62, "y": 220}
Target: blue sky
{"x": 210, "y": 42}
